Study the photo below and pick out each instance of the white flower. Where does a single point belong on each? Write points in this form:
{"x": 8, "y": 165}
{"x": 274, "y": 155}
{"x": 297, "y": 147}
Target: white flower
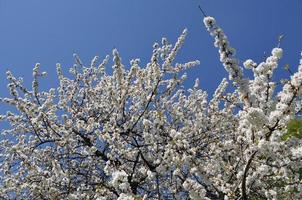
{"x": 44, "y": 74}
{"x": 147, "y": 123}
{"x": 150, "y": 174}
{"x": 119, "y": 178}
{"x": 257, "y": 117}
{"x": 277, "y": 52}
{"x": 249, "y": 64}
{"x": 297, "y": 152}
{"x": 263, "y": 169}
{"x": 125, "y": 197}
{"x": 209, "y": 21}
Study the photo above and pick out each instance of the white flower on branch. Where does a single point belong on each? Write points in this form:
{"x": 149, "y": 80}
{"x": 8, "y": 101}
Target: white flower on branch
{"x": 137, "y": 133}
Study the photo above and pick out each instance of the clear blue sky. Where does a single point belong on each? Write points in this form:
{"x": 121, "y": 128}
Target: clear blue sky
{"x": 50, "y": 31}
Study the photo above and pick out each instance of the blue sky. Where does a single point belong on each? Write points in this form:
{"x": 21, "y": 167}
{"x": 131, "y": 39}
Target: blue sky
{"x": 50, "y": 31}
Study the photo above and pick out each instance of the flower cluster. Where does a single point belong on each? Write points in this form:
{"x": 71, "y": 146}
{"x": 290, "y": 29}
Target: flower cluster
{"x": 136, "y": 133}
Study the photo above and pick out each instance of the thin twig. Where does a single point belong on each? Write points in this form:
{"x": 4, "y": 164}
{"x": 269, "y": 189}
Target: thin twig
{"x": 203, "y": 13}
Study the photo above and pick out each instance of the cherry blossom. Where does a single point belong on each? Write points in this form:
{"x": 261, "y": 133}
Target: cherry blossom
{"x": 137, "y": 133}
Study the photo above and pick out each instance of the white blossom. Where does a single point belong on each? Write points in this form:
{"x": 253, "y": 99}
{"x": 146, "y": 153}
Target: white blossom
{"x": 136, "y": 132}
{"x": 277, "y": 52}
{"x": 249, "y": 64}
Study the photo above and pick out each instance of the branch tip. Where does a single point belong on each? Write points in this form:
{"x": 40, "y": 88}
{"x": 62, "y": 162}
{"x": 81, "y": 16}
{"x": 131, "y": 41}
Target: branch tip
{"x": 203, "y": 13}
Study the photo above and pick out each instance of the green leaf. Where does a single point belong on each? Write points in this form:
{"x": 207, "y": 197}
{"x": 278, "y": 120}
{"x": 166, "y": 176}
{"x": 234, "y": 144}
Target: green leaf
{"x": 294, "y": 129}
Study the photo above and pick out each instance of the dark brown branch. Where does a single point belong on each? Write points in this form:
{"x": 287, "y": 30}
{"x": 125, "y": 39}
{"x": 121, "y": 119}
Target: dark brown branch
{"x": 146, "y": 107}
{"x": 246, "y": 169}
{"x": 203, "y": 13}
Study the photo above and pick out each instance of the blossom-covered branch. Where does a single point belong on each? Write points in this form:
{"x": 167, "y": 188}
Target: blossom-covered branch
{"x": 138, "y": 134}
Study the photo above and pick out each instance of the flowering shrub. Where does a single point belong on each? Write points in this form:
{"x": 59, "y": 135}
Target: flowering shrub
{"x": 137, "y": 134}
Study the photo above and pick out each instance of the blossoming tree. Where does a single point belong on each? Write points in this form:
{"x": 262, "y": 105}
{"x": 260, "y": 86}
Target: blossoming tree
{"x": 137, "y": 134}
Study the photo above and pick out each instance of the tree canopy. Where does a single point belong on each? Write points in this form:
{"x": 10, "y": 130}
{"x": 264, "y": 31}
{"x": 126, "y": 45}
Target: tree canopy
{"x": 137, "y": 133}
